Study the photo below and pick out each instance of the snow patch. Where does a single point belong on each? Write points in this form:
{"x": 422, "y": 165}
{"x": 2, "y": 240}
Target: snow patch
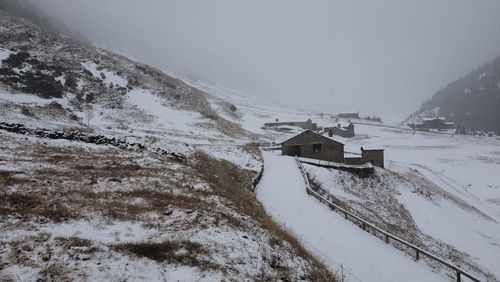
{"x": 110, "y": 77}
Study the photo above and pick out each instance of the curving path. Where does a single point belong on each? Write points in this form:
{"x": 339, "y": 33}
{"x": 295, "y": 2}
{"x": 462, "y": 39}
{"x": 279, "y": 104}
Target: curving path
{"x": 327, "y": 235}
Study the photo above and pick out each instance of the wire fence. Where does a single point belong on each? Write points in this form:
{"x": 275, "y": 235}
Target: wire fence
{"x": 385, "y": 234}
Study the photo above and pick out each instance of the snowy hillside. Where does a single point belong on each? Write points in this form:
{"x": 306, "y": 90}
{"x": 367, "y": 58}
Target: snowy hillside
{"x": 93, "y": 211}
{"x": 438, "y": 191}
{"x": 72, "y": 210}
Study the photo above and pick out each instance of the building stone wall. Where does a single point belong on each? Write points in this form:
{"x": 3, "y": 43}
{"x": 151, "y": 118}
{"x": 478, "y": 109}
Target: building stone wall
{"x": 354, "y": 161}
{"x": 376, "y": 157}
{"x": 303, "y": 145}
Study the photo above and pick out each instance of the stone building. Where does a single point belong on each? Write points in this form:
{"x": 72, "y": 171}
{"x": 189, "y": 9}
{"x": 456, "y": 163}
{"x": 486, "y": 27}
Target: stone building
{"x": 312, "y": 145}
{"x": 309, "y": 144}
{"x": 344, "y": 131}
{"x": 348, "y": 115}
{"x": 307, "y": 125}
{"x": 373, "y": 156}
{"x": 434, "y": 123}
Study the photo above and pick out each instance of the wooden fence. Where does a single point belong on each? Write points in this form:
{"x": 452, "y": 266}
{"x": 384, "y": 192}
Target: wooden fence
{"x": 388, "y": 236}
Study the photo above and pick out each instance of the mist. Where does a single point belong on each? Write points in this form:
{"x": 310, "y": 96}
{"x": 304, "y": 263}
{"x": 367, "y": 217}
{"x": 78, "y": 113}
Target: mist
{"x": 377, "y": 57}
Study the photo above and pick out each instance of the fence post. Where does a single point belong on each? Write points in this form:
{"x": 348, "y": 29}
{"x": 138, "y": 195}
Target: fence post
{"x": 458, "y": 276}
{"x": 342, "y": 272}
{"x": 417, "y": 254}
{"x": 345, "y": 215}
{"x": 387, "y": 239}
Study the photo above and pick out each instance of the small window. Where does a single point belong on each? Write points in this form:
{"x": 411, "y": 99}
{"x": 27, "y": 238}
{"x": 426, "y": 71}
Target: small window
{"x": 316, "y": 148}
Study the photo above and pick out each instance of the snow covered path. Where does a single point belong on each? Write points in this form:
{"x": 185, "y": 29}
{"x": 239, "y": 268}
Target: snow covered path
{"x": 327, "y": 234}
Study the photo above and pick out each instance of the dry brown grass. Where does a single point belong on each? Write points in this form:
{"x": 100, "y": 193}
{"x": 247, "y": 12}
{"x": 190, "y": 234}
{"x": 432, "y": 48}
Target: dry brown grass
{"x": 54, "y": 272}
{"x": 233, "y": 184}
{"x": 11, "y": 178}
{"x": 69, "y": 181}
{"x": 253, "y": 149}
{"x": 35, "y": 205}
{"x": 117, "y": 204}
{"x": 232, "y": 129}
{"x": 182, "y": 252}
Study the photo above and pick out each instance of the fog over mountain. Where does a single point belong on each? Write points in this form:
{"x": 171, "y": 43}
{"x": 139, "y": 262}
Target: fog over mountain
{"x": 372, "y": 56}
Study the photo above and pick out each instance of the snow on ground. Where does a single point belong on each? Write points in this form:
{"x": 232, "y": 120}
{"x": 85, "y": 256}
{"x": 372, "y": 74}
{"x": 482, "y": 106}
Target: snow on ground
{"x": 139, "y": 198}
{"x": 458, "y": 227}
{"x": 109, "y": 76}
{"x": 4, "y": 54}
{"x": 325, "y": 233}
{"x": 164, "y": 115}
{"x": 254, "y": 112}
{"x": 20, "y": 98}
{"x": 234, "y": 154}
{"x": 466, "y": 167}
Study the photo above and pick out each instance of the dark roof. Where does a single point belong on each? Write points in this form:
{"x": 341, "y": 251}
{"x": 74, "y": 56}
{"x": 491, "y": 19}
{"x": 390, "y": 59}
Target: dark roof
{"x": 317, "y": 135}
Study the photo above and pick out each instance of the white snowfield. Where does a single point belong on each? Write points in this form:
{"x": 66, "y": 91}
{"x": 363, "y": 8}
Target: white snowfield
{"x": 328, "y": 235}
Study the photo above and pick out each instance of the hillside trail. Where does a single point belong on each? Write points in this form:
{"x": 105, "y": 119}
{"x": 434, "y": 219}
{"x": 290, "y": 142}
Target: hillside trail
{"x": 327, "y": 235}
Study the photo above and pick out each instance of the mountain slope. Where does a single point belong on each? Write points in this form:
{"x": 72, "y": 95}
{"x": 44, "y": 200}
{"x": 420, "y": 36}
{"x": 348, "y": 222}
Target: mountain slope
{"x": 26, "y": 9}
{"x": 91, "y": 211}
{"x": 472, "y": 101}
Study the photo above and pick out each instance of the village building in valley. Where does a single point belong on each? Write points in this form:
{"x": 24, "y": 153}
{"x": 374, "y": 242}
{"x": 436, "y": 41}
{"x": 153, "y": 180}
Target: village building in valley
{"x": 438, "y": 123}
{"x": 308, "y": 124}
{"x": 344, "y": 131}
{"x": 312, "y": 145}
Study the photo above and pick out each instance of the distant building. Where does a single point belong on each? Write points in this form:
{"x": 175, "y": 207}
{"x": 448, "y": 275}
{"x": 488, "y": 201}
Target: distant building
{"x": 346, "y": 131}
{"x": 307, "y": 125}
{"x": 439, "y": 123}
{"x": 312, "y": 145}
{"x": 373, "y": 118}
{"x": 349, "y": 115}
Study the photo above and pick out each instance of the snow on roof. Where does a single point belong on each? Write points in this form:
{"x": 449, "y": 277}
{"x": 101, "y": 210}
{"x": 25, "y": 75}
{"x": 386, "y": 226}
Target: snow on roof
{"x": 351, "y": 155}
{"x": 319, "y": 135}
{"x": 433, "y": 118}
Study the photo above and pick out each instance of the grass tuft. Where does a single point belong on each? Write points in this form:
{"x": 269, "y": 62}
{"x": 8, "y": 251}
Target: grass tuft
{"x": 181, "y": 252}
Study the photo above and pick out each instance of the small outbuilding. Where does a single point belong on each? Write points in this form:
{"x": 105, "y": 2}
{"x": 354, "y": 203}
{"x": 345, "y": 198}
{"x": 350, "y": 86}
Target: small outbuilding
{"x": 373, "y": 156}
{"x": 309, "y": 144}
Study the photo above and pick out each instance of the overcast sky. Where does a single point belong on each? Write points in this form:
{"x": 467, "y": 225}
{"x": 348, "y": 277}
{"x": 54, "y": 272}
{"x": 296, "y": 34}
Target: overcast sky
{"x": 378, "y": 57}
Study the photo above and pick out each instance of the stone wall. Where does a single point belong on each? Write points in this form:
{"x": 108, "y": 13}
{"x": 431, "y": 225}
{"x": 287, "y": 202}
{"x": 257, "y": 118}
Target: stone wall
{"x": 79, "y": 136}
{"x": 354, "y": 161}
